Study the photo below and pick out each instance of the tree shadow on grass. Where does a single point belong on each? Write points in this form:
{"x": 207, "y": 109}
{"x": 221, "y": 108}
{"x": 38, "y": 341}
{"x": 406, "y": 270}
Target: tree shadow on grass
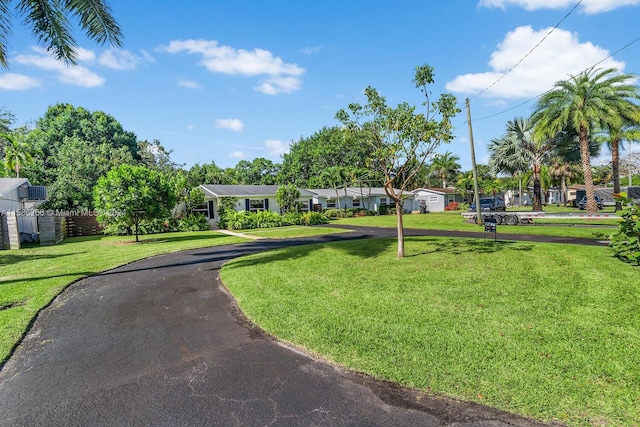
{"x": 15, "y": 257}
{"x": 459, "y": 246}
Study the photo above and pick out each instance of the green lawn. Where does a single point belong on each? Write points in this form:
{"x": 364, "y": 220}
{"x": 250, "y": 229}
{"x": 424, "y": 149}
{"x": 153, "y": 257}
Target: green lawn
{"x": 31, "y": 277}
{"x": 452, "y": 220}
{"x": 547, "y": 331}
{"x": 290, "y": 232}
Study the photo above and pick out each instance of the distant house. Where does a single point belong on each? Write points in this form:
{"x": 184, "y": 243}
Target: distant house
{"x": 369, "y": 198}
{"x": 251, "y": 198}
{"x": 435, "y": 199}
{"x": 19, "y": 199}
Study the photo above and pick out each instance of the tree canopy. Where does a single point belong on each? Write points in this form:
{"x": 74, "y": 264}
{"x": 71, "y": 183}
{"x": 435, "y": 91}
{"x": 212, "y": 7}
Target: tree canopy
{"x": 400, "y": 139}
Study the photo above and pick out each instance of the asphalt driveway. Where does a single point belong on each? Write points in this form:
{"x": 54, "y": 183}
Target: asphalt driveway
{"x": 160, "y": 342}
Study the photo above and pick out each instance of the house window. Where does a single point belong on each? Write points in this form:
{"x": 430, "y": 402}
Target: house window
{"x": 433, "y": 198}
{"x": 304, "y": 206}
{"x": 383, "y": 200}
{"x": 256, "y": 205}
{"x": 331, "y": 203}
{"x": 451, "y": 198}
{"x": 356, "y": 203}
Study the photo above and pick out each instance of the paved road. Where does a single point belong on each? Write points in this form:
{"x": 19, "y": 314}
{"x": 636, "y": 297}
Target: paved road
{"x": 159, "y": 342}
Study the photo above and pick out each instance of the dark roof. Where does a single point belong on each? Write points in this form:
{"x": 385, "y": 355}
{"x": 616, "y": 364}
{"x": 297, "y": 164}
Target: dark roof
{"x": 246, "y": 190}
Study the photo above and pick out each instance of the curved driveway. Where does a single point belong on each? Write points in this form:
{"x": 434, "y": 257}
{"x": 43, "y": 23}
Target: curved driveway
{"x": 159, "y": 342}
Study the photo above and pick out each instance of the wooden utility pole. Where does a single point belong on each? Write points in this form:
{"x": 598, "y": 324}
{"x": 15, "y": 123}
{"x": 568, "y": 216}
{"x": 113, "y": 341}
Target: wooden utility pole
{"x": 476, "y": 186}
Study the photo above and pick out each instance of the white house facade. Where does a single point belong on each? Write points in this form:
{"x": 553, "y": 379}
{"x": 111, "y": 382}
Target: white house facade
{"x": 250, "y": 198}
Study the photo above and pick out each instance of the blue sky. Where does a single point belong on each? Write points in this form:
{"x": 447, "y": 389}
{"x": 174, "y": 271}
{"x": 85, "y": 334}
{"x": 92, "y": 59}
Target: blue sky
{"x": 226, "y": 81}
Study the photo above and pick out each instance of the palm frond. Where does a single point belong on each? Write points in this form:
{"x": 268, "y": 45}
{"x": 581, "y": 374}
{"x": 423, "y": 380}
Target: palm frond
{"x": 50, "y": 26}
{"x": 5, "y": 31}
{"x": 97, "y": 20}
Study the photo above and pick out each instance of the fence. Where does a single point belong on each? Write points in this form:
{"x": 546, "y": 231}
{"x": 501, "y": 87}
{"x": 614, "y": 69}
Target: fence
{"x": 85, "y": 225}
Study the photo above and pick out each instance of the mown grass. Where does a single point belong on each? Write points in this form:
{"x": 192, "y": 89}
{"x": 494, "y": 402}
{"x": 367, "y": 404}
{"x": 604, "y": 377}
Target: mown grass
{"x": 547, "y": 331}
{"x": 452, "y": 220}
{"x": 31, "y": 277}
{"x": 290, "y": 232}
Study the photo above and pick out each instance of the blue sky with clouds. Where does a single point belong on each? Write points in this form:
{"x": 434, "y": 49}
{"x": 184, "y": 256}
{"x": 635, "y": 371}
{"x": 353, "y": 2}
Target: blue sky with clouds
{"x": 226, "y": 81}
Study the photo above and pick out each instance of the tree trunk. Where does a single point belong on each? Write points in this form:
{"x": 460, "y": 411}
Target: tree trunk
{"x": 520, "y": 191}
{"x": 563, "y": 190}
{"x": 400, "y": 229}
{"x": 615, "y": 169}
{"x": 585, "y": 157}
{"x": 537, "y": 190}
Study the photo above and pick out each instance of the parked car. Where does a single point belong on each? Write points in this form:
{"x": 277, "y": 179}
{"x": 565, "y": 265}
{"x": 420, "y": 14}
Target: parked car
{"x": 582, "y": 204}
{"x": 490, "y": 204}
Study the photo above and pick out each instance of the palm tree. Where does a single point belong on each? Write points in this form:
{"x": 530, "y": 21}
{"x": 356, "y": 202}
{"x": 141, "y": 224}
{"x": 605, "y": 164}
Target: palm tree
{"x": 49, "y": 23}
{"x": 593, "y": 97}
{"x": 444, "y": 166}
{"x": 16, "y": 154}
{"x": 518, "y": 150}
{"x": 616, "y": 133}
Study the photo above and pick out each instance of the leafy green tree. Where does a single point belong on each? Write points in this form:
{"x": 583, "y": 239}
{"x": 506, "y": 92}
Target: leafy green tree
{"x": 591, "y": 99}
{"x": 401, "y": 140}
{"x": 50, "y": 25}
{"x": 72, "y": 148}
{"x": 330, "y": 147}
{"x": 128, "y": 194}
{"x": 287, "y": 196}
{"x": 445, "y": 167}
{"x": 259, "y": 171}
{"x": 208, "y": 173}
{"x": 154, "y": 156}
{"x": 335, "y": 177}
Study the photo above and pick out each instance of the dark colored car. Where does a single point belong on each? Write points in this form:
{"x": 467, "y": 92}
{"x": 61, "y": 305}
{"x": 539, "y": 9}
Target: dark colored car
{"x": 582, "y": 204}
{"x": 490, "y": 204}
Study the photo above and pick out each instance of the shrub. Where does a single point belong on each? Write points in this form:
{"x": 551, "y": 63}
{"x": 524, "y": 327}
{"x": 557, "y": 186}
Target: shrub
{"x": 268, "y": 219}
{"x": 293, "y": 218}
{"x": 626, "y": 241}
{"x": 192, "y": 222}
{"x": 241, "y": 220}
{"x": 333, "y": 213}
{"x": 314, "y": 218}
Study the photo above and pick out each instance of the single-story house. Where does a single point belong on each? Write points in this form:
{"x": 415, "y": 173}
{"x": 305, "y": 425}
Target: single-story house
{"x": 435, "y": 199}
{"x": 250, "y": 198}
{"x": 370, "y": 198}
{"x": 19, "y": 197}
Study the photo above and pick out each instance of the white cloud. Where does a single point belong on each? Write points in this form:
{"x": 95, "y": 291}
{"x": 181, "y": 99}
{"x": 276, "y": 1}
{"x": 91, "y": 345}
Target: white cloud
{"x": 190, "y": 127}
{"x": 118, "y": 59}
{"x": 233, "y": 124}
{"x": 12, "y": 81}
{"x": 557, "y": 58}
{"x": 281, "y": 76}
{"x": 189, "y": 84}
{"x": 588, "y": 6}
{"x": 279, "y": 85}
{"x": 310, "y": 50}
{"x": 236, "y": 155}
{"x": 276, "y": 147}
{"x": 75, "y": 75}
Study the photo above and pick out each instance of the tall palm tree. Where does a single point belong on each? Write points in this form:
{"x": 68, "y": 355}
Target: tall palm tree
{"x": 613, "y": 137}
{"x": 16, "y": 154}
{"x": 444, "y": 166}
{"x": 50, "y": 25}
{"x": 592, "y": 98}
{"x": 519, "y": 150}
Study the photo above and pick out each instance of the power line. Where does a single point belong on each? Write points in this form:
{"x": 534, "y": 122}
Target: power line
{"x": 528, "y": 53}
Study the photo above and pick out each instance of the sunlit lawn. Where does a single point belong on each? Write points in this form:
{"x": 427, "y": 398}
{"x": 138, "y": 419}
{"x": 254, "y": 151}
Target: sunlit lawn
{"x": 547, "y": 331}
{"x": 290, "y": 232}
{"x": 31, "y": 277}
{"x": 453, "y": 220}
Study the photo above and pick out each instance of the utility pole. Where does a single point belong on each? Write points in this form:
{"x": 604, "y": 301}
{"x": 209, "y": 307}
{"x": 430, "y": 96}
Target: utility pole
{"x": 476, "y": 187}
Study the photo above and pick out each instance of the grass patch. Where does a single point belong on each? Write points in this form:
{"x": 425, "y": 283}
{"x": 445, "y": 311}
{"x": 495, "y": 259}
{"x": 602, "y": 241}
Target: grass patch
{"x": 290, "y": 232}
{"x": 453, "y": 221}
{"x": 31, "y": 277}
{"x": 547, "y": 331}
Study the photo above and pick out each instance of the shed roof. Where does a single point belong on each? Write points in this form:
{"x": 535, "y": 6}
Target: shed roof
{"x": 9, "y": 184}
